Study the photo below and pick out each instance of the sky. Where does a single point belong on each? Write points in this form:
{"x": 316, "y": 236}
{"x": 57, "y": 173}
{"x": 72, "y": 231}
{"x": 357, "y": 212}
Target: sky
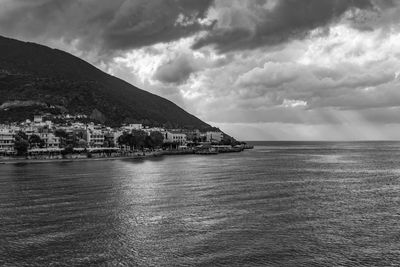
{"x": 257, "y": 69}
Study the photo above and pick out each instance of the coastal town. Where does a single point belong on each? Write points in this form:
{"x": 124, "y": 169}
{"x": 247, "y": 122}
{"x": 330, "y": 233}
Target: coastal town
{"x": 70, "y": 138}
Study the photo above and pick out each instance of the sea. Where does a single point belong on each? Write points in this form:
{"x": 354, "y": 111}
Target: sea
{"x": 279, "y": 204}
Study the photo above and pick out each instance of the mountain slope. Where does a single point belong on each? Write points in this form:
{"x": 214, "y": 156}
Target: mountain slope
{"x": 50, "y": 80}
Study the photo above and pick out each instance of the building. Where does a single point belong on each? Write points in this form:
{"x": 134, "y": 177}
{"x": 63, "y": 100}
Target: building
{"x": 214, "y": 137}
{"x": 69, "y": 137}
{"x": 174, "y": 137}
{"x": 192, "y": 135}
{"x": 95, "y": 137}
{"x": 38, "y": 119}
{"x": 30, "y": 130}
{"x": 50, "y": 140}
{"x": 131, "y": 127}
{"x": 7, "y": 141}
{"x": 154, "y": 129}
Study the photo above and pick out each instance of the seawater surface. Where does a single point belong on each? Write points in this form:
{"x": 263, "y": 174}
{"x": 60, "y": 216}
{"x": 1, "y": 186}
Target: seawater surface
{"x": 280, "y": 204}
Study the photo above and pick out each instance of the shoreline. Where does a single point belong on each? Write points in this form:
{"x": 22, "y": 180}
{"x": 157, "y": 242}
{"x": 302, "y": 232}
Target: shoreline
{"x": 30, "y": 161}
{"x": 135, "y": 157}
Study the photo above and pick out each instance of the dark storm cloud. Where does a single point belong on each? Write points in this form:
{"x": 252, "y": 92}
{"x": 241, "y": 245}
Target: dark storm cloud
{"x": 176, "y": 71}
{"x": 384, "y": 15}
{"x": 107, "y": 25}
{"x": 285, "y": 20}
{"x": 141, "y": 23}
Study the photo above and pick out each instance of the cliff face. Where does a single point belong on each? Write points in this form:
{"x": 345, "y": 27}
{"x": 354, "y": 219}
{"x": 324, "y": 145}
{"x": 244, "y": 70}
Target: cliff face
{"x": 36, "y": 78}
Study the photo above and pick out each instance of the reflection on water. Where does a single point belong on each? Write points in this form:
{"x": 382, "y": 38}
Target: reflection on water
{"x": 282, "y": 204}
{"x": 331, "y": 159}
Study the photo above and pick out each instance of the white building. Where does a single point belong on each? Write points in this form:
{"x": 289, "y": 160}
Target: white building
{"x": 50, "y": 140}
{"x": 214, "y": 137}
{"x": 30, "y": 130}
{"x": 131, "y": 127}
{"x": 6, "y": 141}
{"x": 155, "y": 129}
{"x": 174, "y": 137}
{"x": 94, "y": 137}
{"x": 38, "y": 119}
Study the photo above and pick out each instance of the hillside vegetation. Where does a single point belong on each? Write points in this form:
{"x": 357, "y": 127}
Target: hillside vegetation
{"x": 37, "y": 79}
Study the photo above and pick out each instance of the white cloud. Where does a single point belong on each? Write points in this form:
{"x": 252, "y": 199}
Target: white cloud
{"x": 336, "y": 85}
{"x": 290, "y": 103}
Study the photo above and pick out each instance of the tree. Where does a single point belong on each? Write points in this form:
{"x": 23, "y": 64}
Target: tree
{"x": 126, "y": 140}
{"x": 106, "y": 144}
{"x": 157, "y": 139}
{"x": 82, "y": 143}
{"x": 21, "y": 143}
{"x": 62, "y": 134}
{"x": 77, "y": 137}
{"x": 123, "y": 140}
{"x": 36, "y": 141}
{"x": 139, "y": 138}
{"x": 148, "y": 142}
{"x": 108, "y": 141}
{"x": 136, "y": 139}
{"x": 168, "y": 125}
{"x": 67, "y": 150}
{"x": 227, "y": 140}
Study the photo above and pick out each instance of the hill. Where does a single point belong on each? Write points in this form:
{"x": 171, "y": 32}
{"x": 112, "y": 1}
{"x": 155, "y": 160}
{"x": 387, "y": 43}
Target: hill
{"x": 37, "y": 79}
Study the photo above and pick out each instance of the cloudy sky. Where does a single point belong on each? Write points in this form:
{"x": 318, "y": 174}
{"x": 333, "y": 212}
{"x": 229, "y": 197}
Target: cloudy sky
{"x": 258, "y": 69}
